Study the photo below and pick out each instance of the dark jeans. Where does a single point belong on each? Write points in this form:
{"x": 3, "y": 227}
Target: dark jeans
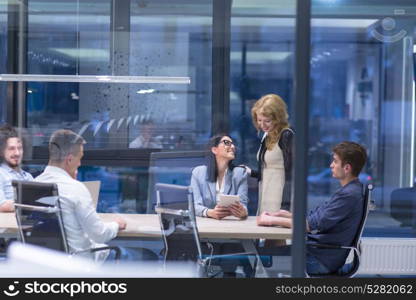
{"x": 230, "y": 264}
{"x": 314, "y": 266}
{"x": 133, "y": 254}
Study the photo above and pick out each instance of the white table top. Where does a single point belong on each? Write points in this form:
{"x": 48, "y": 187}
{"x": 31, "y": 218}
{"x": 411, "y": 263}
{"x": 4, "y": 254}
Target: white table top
{"x": 141, "y": 225}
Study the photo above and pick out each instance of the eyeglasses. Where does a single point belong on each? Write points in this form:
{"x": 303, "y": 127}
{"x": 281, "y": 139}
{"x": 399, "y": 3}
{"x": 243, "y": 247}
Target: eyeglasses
{"x": 227, "y": 143}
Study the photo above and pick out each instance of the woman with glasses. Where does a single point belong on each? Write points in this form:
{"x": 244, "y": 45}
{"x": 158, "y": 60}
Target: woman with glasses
{"x": 275, "y": 155}
{"x": 219, "y": 176}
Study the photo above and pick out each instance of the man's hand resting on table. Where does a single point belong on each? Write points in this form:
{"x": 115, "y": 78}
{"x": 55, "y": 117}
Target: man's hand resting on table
{"x": 270, "y": 219}
{"x": 122, "y": 224}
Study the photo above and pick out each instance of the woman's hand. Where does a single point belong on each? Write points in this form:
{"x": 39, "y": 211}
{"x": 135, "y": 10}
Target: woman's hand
{"x": 281, "y": 213}
{"x": 218, "y": 212}
{"x": 238, "y": 210}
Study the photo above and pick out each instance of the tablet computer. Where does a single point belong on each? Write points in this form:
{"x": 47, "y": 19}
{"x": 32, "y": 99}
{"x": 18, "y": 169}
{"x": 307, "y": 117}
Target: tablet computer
{"x": 227, "y": 200}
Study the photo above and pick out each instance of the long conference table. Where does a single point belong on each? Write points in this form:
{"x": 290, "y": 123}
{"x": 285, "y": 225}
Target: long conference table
{"x": 147, "y": 226}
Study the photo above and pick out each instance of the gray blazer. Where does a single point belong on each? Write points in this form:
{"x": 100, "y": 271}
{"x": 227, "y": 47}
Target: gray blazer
{"x": 235, "y": 183}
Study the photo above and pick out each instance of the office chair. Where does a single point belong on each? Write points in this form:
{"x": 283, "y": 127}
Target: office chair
{"x": 175, "y": 208}
{"x": 39, "y": 217}
{"x": 349, "y": 269}
{"x": 402, "y": 205}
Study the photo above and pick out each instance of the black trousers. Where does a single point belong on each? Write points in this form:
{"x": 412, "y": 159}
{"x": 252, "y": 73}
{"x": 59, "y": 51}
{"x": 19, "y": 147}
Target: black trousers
{"x": 230, "y": 264}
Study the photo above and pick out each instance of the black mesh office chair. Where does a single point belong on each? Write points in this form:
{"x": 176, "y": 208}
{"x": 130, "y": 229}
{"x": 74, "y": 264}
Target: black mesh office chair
{"x": 403, "y": 206}
{"x": 39, "y": 217}
{"x": 175, "y": 208}
{"x": 349, "y": 269}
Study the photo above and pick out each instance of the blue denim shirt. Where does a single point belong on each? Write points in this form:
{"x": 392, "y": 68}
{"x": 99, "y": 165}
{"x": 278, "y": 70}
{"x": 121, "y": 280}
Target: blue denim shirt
{"x": 7, "y": 174}
{"x": 336, "y": 222}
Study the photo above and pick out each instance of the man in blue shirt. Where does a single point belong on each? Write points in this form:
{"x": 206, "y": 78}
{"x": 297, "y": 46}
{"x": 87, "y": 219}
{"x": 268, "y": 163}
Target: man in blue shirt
{"x": 335, "y": 221}
{"x": 11, "y": 151}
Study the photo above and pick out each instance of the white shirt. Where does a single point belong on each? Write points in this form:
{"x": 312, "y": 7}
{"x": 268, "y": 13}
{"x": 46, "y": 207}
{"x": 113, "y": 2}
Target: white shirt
{"x": 83, "y": 227}
{"x": 8, "y": 174}
{"x": 218, "y": 191}
{"x": 140, "y": 142}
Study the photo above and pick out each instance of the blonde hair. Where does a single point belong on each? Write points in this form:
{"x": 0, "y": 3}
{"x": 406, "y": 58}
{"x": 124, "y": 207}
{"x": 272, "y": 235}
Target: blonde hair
{"x": 273, "y": 107}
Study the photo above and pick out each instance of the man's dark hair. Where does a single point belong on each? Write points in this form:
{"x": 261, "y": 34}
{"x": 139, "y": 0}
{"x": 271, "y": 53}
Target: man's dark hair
{"x": 353, "y": 154}
{"x": 62, "y": 143}
{"x": 6, "y": 132}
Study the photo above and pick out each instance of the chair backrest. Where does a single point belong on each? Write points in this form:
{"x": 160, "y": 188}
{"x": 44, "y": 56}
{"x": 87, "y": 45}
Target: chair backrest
{"x": 175, "y": 208}
{"x": 172, "y": 168}
{"x": 38, "y": 214}
{"x": 366, "y": 201}
{"x": 402, "y": 205}
{"x": 349, "y": 269}
{"x": 357, "y": 239}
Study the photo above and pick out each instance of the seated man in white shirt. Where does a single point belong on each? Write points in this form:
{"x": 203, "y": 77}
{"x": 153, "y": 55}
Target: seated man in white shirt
{"x": 147, "y": 138}
{"x": 84, "y": 228}
{"x": 11, "y": 152}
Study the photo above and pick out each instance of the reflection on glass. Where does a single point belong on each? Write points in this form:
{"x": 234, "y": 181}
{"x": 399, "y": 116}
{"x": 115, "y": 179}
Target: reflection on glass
{"x": 362, "y": 90}
{"x": 3, "y": 59}
{"x": 261, "y": 62}
{"x": 122, "y": 189}
{"x": 120, "y": 38}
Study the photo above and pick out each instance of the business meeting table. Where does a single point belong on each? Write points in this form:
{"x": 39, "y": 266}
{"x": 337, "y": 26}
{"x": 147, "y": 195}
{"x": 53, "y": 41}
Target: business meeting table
{"x": 147, "y": 226}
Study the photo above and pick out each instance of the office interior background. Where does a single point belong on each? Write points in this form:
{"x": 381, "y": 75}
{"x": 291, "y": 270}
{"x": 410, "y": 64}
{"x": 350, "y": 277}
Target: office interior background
{"x": 361, "y": 88}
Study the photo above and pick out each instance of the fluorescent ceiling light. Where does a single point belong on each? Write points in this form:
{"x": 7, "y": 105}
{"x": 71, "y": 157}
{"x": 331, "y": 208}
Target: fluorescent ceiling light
{"x": 265, "y": 21}
{"x": 96, "y": 79}
{"x": 291, "y": 22}
{"x": 84, "y": 53}
{"x": 260, "y": 56}
{"x": 149, "y": 91}
{"x": 342, "y": 23}
{"x": 15, "y": 2}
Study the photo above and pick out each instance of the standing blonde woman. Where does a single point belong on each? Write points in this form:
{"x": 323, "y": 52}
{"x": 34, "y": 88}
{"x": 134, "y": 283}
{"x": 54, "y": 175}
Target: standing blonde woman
{"x": 275, "y": 155}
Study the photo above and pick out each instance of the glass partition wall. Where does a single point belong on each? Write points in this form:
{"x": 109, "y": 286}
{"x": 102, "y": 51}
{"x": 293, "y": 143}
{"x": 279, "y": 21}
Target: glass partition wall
{"x": 3, "y": 59}
{"x": 362, "y": 74}
{"x": 262, "y": 61}
{"x": 120, "y": 38}
{"x": 139, "y": 77}
{"x": 362, "y": 89}
{"x": 132, "y": 77}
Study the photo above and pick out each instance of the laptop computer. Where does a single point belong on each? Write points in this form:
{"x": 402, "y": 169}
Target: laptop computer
{"x": 94, "y": 189}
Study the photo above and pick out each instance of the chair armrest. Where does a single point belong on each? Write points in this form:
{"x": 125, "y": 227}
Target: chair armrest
{"x": 331, "y": 246}
{"x": 326, "y": 246}
{"x": 213, "y": 257}
{"x": 274, "y": 251}
{"x": 92, "y": 250}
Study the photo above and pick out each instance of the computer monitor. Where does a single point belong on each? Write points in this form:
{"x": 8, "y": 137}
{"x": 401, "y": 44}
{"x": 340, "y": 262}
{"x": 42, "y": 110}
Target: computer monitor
{"x": 171, "y": 168}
